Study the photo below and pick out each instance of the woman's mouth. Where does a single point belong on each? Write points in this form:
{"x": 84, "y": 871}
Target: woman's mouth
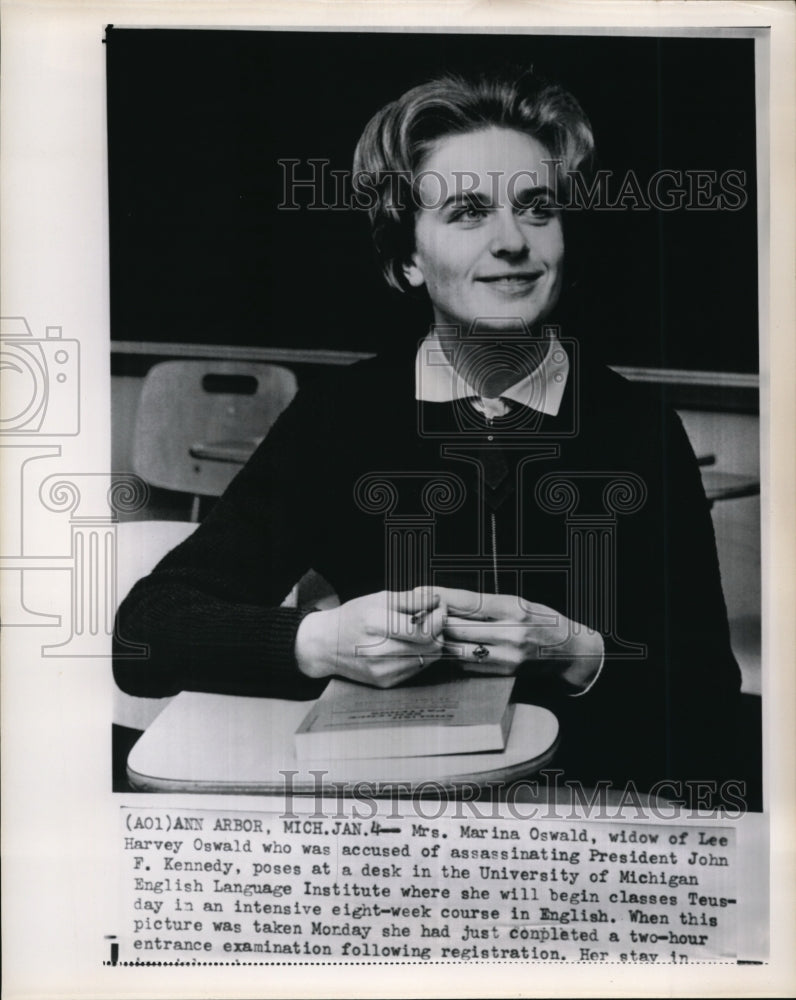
{"x": 512, "y": 283}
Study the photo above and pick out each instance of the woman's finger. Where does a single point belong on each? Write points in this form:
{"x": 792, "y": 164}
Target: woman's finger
{"x": 473, "y": 631}
{"x": 538, "y": 614}
{"x": 466, "y": 603}
{"x": 421, "y": 629}
{"x": 416, "y": 602}
{"x": 484, "y": 607}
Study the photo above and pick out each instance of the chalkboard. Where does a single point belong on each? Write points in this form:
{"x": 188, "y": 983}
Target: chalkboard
{"x": 201, "y": 253}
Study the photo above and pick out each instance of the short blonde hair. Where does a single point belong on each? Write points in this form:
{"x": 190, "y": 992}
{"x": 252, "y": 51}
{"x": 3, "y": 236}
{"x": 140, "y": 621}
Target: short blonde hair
{"x": 400, "y": 137}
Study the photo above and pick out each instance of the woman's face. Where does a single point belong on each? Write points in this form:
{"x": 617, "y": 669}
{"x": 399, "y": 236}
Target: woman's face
{"x": 489, "y": 244}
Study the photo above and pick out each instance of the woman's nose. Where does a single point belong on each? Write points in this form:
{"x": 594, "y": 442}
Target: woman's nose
{"x": 509, "y": 236}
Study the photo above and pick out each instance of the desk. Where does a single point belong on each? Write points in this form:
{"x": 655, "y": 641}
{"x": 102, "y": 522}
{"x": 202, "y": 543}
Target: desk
{"x": 125, "y": 741}
{"x": 728, "y": 485}
{"x": 235, "y": 745}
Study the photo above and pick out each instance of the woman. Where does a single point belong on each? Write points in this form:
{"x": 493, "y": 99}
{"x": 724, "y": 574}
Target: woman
{"x": 481, "y": 490}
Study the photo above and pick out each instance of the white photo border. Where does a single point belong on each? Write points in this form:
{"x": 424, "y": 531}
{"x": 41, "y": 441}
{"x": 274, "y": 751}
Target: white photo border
{"x": 59, "y": 816}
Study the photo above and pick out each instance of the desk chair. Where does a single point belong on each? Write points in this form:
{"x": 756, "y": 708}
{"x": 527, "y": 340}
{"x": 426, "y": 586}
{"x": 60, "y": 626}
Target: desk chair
{"x": 198, "y": 422}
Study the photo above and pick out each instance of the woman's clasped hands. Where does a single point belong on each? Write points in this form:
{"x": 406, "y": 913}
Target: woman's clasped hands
{"x": 386, "y": 638}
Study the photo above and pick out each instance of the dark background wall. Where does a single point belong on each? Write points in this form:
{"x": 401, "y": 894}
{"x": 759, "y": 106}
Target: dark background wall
{"x": 200, "y": 253}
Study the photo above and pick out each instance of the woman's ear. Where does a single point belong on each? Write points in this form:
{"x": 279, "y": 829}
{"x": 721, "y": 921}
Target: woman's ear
{"x": 412, "y": 273}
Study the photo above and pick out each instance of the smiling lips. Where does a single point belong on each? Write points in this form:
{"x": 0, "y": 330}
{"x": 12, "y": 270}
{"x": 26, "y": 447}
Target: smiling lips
{"x": 515, "y": 282}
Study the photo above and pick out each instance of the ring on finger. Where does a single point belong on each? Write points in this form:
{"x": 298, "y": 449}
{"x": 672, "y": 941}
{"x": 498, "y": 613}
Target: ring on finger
{"x": 480, "y": 652}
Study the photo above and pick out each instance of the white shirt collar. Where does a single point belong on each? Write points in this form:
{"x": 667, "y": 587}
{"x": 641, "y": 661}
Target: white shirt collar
{"x": 437, "y": 381}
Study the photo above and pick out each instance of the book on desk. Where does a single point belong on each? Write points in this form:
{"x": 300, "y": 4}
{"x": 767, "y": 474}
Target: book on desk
{"x": 461, "y": 715}
{"x": 242, "y": 745}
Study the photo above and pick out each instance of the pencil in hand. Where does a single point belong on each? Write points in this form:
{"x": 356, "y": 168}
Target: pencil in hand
{"x": 420, "y": 616}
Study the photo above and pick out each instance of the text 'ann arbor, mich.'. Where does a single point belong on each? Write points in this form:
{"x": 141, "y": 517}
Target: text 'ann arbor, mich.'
{"x": 207, "y": 886}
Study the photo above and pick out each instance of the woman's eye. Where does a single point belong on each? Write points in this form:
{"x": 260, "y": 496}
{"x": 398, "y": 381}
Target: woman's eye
{"x": 538, "y": 209}
{"x": 468, "y": 213}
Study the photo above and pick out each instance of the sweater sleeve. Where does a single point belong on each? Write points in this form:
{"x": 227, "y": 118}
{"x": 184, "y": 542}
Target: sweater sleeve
{"x": 672, "y": 711}
{"x": 210, "y": 611}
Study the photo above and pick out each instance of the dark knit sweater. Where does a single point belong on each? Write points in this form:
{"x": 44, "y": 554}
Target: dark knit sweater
{"x": 210, "y": 612}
